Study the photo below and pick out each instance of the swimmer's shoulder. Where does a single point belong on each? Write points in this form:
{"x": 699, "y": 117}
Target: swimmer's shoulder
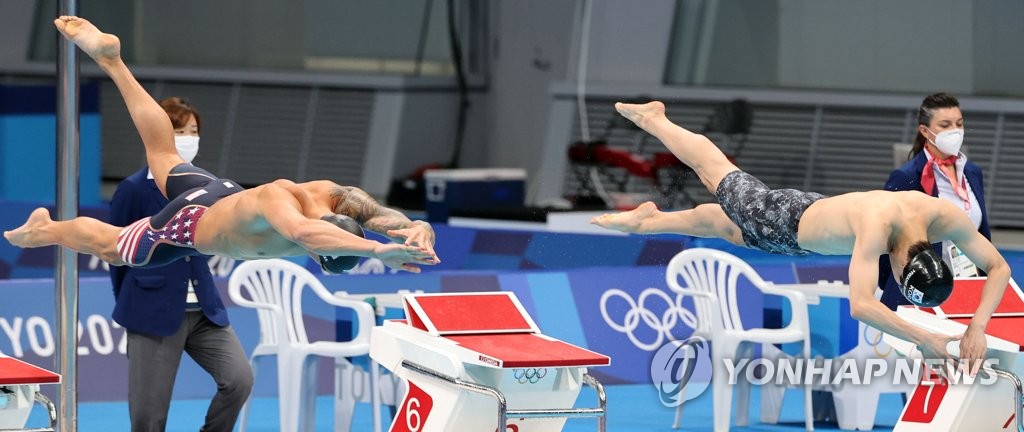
{"x": 880, "y": 198}
{"x": 852, "y": 198}
{"x": 870, "y": 204}
{"x": 917, "y": 200}
{"x": 904, "y": 205}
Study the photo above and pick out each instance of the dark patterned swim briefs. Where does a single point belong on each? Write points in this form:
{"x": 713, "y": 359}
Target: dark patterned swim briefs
{"x": 768, "y": 218}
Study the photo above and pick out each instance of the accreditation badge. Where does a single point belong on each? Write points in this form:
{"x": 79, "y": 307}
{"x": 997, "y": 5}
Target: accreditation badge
{"x": 958, "y": 262}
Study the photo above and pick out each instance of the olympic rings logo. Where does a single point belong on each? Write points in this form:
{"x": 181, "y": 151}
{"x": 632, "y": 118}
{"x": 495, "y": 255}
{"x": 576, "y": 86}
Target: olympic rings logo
{"x": 876, "y": 341}
{"x": 638, "y": 312}
{"x": 531, "y": 375}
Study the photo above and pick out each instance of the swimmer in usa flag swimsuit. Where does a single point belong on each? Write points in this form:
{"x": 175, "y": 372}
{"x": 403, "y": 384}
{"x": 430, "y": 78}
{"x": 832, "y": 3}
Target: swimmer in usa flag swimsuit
{"x": 170, "y": 234}
{"x": 216, "y": 216}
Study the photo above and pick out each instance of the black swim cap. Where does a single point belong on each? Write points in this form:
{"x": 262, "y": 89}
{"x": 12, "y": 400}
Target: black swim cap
{"x": 341, "y": 264}
{"x": 927, "y": 281}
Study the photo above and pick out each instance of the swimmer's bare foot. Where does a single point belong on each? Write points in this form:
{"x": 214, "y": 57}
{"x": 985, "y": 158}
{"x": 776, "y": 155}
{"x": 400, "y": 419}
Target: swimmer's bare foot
{"x": 27, "y": 235}
{"x": 102, "y": 47}
{"x": 628, "y": 222}
{"x": 641, "y": 114}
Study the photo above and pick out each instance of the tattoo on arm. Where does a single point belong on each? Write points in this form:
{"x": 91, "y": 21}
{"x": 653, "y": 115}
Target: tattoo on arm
{"x": 357, "y": 204}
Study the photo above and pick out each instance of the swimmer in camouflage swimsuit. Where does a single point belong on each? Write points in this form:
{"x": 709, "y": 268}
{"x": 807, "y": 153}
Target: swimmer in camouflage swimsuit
{"x": 865, "y": 225}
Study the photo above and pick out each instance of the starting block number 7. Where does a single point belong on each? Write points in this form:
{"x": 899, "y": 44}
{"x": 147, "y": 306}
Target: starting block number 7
{"x": 926, "y": 401}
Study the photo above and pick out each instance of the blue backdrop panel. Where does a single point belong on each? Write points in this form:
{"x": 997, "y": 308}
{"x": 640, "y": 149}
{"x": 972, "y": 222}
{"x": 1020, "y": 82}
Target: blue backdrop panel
{"x": 38, "y": 262}
{"x": 622, "y": 310}
{"x": 580, "y": 250}
{"x": 610, "y": 303}
{"x": 458, "y": 248}
{"x": 26, "y": 321}
{"x": 555, "y": 307}
{"x": 28, "y": 143}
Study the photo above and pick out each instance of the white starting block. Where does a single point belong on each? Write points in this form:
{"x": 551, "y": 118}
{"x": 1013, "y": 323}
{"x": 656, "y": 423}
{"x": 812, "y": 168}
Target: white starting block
{"x": 938, "y": 405}
{"x": 475, "y": 361}
{"x": 19, "y": 389}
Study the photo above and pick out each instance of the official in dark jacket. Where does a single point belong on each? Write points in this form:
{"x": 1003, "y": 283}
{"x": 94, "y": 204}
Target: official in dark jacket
{"x": 937, "y": 167}
{"x": 152, "y": 300}
{"x": 173, "y": 309}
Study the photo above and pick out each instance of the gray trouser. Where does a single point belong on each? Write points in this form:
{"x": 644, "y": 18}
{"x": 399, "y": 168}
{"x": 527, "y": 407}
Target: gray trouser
{"x": 153, "y": 364}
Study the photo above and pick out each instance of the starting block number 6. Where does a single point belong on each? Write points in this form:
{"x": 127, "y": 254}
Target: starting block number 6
{"x": 412, "y": 414}
{"x": 415, "y": 410}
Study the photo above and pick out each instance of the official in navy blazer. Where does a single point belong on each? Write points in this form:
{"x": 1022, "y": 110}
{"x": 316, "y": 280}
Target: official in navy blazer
{"x": 173, "y": 309}
{"x": 152, "y": 300}
{"x": 937, "y": 167}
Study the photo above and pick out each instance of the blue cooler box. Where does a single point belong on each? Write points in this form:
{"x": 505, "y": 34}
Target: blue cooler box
{"x": 473, "y": 189}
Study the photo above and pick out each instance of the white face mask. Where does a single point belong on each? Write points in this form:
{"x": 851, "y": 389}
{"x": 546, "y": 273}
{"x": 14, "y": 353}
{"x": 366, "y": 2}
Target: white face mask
{"x": 187, "y": 145}
{"x": 949, "y": 142}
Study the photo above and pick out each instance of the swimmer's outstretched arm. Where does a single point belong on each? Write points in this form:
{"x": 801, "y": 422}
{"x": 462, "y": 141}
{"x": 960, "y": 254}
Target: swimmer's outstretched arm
{"x": 82, "y": 234}
{"x": 284, "y": 213}
{"x": 982, "y": 253}
{"x": 359, "y": 205}
{"x": 866, "y": 308}
{"x": 705, "y": 220}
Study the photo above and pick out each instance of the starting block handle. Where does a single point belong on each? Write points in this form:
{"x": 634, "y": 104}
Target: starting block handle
{"x": 51, "y": 411}
{"x": 994, "y": 315}
{"x": 602, "y": 401}
{"x": 473, "y": 387}
{"x": 503, "y": 412}
{"x": 1019, "y": 392}
{"x": 953, "y": 347}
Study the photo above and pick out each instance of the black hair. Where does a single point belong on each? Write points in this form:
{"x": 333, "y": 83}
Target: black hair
{"x": 926, "y": 112}
{"x": 179, "y": 110}
{"x": 917, "y": 248}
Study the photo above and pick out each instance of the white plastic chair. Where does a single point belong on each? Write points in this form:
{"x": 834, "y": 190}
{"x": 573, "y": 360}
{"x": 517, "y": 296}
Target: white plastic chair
{"x": 710, "y": 277}
{"x": 274, "y": 288}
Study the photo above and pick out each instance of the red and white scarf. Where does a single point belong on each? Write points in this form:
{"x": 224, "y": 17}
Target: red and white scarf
{"x": 928, "y": 178}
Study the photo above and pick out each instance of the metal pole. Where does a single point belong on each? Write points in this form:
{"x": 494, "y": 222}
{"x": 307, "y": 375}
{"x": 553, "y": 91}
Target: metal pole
{"x": 66, "y": 267}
